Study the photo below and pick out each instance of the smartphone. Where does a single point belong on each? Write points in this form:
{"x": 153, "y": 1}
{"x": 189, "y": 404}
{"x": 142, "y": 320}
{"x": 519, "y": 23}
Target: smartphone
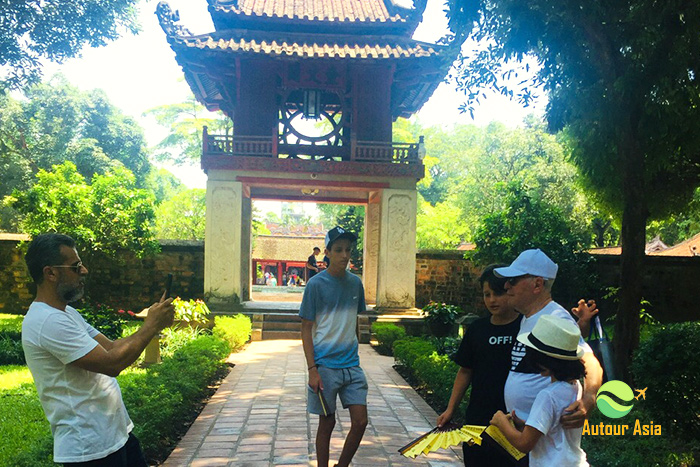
{"x": 168, "y": 285}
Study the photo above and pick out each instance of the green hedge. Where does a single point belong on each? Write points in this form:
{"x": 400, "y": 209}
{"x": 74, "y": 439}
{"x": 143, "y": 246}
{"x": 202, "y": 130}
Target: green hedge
{"x": 433, "y": 371}
{"x": 668, "y": 364}
{"x": 161, "y": 401}
{"x": 158, "y": 400}
{"x": 234, "y": 329}
{"x": 11, "y": 352}
{"x": 386, "y": 334}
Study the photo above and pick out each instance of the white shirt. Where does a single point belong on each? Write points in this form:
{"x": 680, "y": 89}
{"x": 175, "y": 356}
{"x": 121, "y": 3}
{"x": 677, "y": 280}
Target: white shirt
{"x": 558, "y": 446}
{"x": 524, "y": 383}
{"x": 85, "y": 409}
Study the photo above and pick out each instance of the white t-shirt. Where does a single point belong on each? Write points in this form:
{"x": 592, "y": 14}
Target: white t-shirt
{"x": 558, "y": 446}
{"x": 525, "y": 382}
{"x": 85, "y": 409}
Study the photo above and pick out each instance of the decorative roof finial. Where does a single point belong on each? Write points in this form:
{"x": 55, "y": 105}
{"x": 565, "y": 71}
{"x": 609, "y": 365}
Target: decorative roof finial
{"x": 167, "y": 19}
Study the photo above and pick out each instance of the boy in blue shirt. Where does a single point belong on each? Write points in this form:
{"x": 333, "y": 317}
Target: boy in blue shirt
{"x": 332, "y": 299}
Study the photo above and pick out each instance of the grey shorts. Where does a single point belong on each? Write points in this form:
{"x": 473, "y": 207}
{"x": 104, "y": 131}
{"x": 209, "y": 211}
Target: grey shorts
{"x": 348, "y": 383}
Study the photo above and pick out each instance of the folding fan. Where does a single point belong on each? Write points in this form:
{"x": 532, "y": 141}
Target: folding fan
{"x": 452, "y": 434}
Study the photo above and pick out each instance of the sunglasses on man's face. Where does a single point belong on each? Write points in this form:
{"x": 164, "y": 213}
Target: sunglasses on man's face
{"x": 514, "y": 280}
{"x": 77, "y": 267}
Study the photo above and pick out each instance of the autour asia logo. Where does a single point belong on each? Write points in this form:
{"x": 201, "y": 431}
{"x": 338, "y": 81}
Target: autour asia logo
{"x": 615, "y": 399}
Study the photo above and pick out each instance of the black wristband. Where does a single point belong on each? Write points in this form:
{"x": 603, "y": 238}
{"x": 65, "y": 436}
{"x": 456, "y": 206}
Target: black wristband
{"x": 313, "y": 366}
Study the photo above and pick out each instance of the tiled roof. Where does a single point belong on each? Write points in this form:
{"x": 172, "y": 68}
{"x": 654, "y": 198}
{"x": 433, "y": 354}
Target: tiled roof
{"x": 283, "y": 248}
{"x": 323, "y": 10}
{"x": 320, "y": 47}
{"x": 690, "y": 247}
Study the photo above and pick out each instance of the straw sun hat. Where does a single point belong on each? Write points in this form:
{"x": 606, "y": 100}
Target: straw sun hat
{"x": 556, "y": 337}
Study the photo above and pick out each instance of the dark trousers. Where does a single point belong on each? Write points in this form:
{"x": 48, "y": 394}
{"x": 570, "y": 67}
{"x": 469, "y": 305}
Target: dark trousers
{"x": 489, "y": 454}
{"x": 130, "y": 455}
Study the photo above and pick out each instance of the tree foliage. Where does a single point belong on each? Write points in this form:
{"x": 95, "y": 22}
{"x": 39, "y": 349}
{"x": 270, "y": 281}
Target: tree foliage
{"x": 469, "y": 167}
{"x": 109, "y": 215}
{"x": 56, "y": 122}
{"x": 32, "y": 30}
{"x": 183, "y": 216}
{"x": 528, "y": 222}
{"x": 623, "y": 78}
{"x": 351, "y": 218}
{"x": 185, "y": 120}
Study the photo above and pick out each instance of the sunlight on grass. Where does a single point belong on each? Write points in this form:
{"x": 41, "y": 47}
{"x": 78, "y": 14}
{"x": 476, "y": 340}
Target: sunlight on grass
{"x": 12, "y": 376}
{"x": 11, "y": 322}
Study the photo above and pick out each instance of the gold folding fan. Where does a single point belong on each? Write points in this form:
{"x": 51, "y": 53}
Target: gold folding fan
{"x": 451, "y": 434}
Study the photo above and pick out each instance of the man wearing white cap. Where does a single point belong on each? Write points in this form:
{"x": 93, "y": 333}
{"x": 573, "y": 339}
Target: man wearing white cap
{"x": 530, "y": 278}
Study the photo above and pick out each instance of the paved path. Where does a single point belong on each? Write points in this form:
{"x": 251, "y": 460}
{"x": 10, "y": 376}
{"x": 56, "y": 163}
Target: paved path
{"x": 258, "y": 416}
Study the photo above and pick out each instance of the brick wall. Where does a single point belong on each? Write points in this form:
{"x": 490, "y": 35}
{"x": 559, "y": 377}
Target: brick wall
{"x": 669, "y": 282}
{"x": 446, "y": 276}
{"x": 129, "y": 283}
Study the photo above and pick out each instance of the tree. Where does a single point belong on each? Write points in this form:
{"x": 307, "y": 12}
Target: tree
{"x": 623, "y": 79}
{"x": 351, "y": 218}
{"x": 110, "y": 215}
{"x": 33, "y": 30}
{"x": 183, "y": 145}
{"x": 440, "y": 226}
{"x": 469, "y": 166}
{"x": 527, "y": 222}
{"x": 183, "y": 216}
{"x": 57, "y": 122}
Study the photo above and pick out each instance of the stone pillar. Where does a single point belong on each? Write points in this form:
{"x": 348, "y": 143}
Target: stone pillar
{"x": 226, "y": 248}
{"x": 396, "y": 273}
{"x": 371, "y": 246}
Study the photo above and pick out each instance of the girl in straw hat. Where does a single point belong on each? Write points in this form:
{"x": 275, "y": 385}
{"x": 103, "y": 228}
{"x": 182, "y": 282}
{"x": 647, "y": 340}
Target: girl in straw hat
{"x": 553, "y": 346}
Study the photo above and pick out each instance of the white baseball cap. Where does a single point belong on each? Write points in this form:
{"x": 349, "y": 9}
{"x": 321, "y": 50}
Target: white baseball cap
{"x": 533, "y": 262}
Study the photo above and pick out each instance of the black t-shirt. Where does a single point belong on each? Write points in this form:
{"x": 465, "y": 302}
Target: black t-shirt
{"x": 311, "y": 261}
{"x": 485, "y": 349}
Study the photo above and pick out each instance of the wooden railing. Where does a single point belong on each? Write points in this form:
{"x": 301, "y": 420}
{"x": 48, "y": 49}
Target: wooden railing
{"x": 226, "y": 145}
{"x": 357, "y": 151}
{"x": 368, "y": 151}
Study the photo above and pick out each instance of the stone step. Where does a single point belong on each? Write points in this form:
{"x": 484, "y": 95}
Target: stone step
{"x": 269, "y": 335}
{"x": 282, "y": 326}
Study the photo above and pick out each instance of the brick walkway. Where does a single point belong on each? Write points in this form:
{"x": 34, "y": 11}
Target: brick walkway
{"x": 258, "y": 416}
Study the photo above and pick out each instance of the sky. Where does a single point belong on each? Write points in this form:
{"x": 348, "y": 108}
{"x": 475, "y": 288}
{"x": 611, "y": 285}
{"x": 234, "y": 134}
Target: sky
{"x": 140, "y": 72}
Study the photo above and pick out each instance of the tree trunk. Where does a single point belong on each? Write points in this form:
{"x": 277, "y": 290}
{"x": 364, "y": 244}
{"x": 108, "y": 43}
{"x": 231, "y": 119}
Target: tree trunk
{"x": 633, "y": 237}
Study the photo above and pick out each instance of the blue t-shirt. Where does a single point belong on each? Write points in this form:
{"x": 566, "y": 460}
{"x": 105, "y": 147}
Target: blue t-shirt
{"x": 333, "y": 303}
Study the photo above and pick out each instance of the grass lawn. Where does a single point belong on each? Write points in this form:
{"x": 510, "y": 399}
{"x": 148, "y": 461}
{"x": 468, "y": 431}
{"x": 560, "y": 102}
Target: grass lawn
{"x": 22, "y": 420}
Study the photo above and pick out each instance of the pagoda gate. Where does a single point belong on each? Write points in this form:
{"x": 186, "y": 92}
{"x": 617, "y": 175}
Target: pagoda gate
{"x": 312, "y": 87}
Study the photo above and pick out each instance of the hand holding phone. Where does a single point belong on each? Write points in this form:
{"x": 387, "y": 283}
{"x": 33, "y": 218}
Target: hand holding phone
{"x": 168, "y": 286}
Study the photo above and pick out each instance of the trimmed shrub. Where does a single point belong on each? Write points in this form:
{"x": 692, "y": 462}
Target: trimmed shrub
{"x": 105, "y": 319}
{"x": 233, "y": 329}
{"x": 437, "y": 373}
{"x": 634, "y": 450}
{"x": 446, "y": 345}
{"x": 11, "y": 352}
{"x": 173, "y": 339}
{"x": 668, "y": 364}
{"x": 387, "y": 334}
{"x": 407, "y": 351}
{"x": 158, "y": 399}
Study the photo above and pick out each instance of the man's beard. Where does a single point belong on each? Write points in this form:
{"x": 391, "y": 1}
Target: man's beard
{"x": 70, "y": 294}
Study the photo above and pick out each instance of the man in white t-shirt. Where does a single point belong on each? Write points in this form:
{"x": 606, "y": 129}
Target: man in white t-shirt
{"x": 74, "y": 366}
{"x": 529, "y": 286}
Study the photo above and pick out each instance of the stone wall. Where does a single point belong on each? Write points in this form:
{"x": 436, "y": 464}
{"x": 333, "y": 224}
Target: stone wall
{"x": 130, "y": 283}
{"x": 445, "y": 276}
{"x": 669, "y": 282}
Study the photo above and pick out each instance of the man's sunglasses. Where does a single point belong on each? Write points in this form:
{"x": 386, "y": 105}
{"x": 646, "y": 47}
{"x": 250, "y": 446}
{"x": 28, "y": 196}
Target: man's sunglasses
{"x": 514, "y": 280}
{"x": 77, "y": 267}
